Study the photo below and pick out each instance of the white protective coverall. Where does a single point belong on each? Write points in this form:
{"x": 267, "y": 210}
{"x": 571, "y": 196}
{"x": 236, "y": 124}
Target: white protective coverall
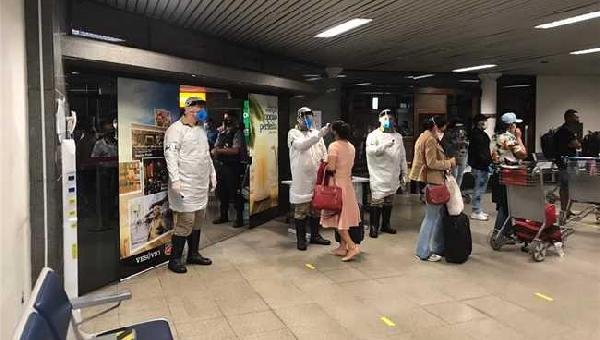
{"x": 386, "y": 163}
{"x": 307, "y": 149}
{"x": 188, "y": 161}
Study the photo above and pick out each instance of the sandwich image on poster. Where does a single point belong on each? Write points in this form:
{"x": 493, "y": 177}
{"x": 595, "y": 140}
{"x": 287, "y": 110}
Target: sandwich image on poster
{"x": 130, "y": 178}
{"x": 264, "y": 180}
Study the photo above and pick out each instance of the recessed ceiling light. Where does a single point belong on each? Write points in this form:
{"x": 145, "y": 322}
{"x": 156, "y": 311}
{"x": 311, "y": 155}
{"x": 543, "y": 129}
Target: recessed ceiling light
{"x": 341, "y": 28}
{"x": 74, "y": 72}
{"x": 569, "y": 21}
{"x": 311, "y": 75}
{"x": 85, "y": 34}
{"x": 474, "y": 68}
{"x": 313, "y": 79}
{"x": 420, "y": 77}
{"x": 588, "y": 51}
{"x": 363, "y": 84}
{"x": 193, "y": 75}
{"x": 469, "y": 81}
{"x": 341, "y": 76}
{"x": 516, "y": 86}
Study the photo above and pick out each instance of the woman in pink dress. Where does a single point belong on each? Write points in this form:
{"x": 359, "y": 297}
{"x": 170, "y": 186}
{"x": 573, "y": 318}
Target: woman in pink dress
{"x": 340, "y": 158}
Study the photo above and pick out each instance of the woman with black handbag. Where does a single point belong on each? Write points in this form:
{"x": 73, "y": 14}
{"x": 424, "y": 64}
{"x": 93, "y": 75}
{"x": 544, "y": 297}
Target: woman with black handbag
{"x": 340, "y": 160}
{"x": 430, "y": 166}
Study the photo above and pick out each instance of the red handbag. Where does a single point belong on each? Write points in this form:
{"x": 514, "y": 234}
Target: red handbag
{"x": 325, "y": 196}
{"x": 435, "y": 194}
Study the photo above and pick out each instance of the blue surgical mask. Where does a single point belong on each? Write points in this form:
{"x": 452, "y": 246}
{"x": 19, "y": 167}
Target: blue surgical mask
{"x": 309, "y": 122}
{"x": 202, "y": 115}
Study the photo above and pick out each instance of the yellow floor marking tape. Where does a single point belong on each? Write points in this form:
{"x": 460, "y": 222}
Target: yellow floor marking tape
{"x": 545, "y": 297}
{"x": 388, "y": 322}
{"x": 310, "y": 266}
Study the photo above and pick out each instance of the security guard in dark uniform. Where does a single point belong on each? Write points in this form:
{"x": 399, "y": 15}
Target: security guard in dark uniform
{"x": 227, "y": 153}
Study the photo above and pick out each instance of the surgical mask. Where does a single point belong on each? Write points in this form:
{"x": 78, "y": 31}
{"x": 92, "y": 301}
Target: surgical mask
{"x": 440, "y": 135}
{"x": 385, "y": 123}
{"x": 308, "y": 121}
{"x": 201, "y": 115}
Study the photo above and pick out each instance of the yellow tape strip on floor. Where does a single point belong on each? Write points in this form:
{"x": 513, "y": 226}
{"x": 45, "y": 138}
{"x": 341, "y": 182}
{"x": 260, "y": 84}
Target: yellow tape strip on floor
{"x": 310, "y": 266}
{"x": 388, "y": 322}
{"x": 545, "y": 297}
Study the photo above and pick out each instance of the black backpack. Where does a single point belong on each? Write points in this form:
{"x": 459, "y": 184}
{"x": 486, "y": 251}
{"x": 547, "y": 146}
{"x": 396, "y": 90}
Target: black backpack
{"x": 549, "y": 147}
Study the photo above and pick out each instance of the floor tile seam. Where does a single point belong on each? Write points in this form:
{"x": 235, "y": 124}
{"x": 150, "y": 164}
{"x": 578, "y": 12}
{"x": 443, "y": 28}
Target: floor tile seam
{"x": 506, "y": 324}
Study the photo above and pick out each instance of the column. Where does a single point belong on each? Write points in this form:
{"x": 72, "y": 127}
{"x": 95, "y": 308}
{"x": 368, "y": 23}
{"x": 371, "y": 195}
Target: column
{"x": 488, "y": 98}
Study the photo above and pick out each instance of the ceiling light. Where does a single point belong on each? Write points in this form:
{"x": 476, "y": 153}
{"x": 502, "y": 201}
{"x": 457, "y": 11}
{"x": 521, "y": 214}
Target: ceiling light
{"x": 341, "y": 28}
{"x": 569, "y": 21}
{"x": 474, "y": 68}
{"x": 469, "y": 81}
{"x": 341, "y": 76}
{"x": 313, "y": 79}
{"x": 311, "y": 75}
{"x": 375, "y": 103}
{"x": 420, "y": 77}
{"x": 588, "y": 51}
{"x": 193, "y": 75}
{"x": 516, "y": 86}
{"x": 96, "y": 36}
{"x": 363, "y": 84}
{"x": 74, "y": 72}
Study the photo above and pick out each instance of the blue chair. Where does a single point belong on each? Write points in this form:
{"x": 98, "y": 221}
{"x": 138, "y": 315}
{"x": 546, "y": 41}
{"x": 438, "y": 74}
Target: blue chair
{"x": 52, "y": 312}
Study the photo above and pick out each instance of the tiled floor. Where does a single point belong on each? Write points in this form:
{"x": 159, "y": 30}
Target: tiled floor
{"x": 261, "y": 288}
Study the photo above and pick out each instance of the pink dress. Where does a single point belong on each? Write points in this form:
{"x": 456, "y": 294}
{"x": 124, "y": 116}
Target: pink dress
{"x": 343, "y": 151}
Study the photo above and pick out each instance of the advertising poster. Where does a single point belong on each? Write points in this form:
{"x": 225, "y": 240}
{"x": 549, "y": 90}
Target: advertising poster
{"x": 146, "y": 109}
{"x": 264, "y": 181}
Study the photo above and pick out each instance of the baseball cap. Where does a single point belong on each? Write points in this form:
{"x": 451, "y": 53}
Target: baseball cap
{"x": 510, "y": 118}
{"x": 193, "y": 101}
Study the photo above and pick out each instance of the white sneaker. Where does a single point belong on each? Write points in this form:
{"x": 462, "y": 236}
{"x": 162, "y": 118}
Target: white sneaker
{"x": 480, "y": 216}
{"x": 434, "y": 258}
{"x": 558, "y": 246}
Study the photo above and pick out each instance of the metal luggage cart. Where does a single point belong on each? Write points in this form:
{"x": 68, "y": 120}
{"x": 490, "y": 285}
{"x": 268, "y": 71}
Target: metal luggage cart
{"x": 526, "y": 200}
{"x": 584, "y": 187}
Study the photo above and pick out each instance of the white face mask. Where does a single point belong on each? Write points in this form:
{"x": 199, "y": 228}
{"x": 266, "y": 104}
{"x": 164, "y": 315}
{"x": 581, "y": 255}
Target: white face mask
{"x": 440, "y": 135}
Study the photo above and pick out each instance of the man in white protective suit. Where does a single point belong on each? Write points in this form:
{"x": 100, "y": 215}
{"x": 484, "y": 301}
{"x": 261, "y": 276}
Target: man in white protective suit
{"x": 307, "y": 150}
{"x": 386, "y": 160}
{"x": 191, "y": 175}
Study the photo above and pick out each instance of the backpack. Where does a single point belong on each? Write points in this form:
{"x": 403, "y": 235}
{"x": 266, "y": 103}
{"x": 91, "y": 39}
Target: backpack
{"x": 548, "y": 142}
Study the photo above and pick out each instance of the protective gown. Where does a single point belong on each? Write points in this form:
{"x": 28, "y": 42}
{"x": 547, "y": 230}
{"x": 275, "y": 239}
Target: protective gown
{"x": 386, "y": 164}
{"x": 307, "y": 149}
{"x": 188, "y": 161}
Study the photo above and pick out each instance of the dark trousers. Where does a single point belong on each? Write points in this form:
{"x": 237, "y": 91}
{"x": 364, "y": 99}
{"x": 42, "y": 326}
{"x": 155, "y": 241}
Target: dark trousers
{"x": 228, "y": 188}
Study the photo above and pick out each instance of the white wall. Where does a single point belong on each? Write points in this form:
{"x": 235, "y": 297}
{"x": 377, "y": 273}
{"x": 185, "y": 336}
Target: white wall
{"x": 556, "y": 94}
{"x": 14, "y": 174}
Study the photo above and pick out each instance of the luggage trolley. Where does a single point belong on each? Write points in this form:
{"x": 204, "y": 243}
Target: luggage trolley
{"x": 528, "y": 213}
{"x": 584, "y": 187}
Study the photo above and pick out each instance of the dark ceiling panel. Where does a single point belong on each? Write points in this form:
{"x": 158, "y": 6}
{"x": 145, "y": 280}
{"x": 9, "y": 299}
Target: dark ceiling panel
{"x": 428, "y": 34}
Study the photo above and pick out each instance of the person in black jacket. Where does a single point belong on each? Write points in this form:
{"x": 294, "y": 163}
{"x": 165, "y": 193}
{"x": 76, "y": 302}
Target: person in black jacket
{"x": 567, "y": 140}
{"x": 480, "y": 160}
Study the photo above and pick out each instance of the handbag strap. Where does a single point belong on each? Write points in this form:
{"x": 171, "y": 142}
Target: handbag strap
{"x": 425, "y": 159}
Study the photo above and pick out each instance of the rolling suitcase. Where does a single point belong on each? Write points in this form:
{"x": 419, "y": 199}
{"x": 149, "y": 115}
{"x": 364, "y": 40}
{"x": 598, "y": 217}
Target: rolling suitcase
{"x": 457, "y": 238}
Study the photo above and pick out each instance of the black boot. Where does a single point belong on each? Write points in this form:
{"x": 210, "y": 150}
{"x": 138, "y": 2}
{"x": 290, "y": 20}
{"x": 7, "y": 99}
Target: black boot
{"x": 175, "y": 264}
{"x": 224, "y": 213}
{"x": 385, "y": 221}
{"x": 193, "y": 256}
{"x": 374, "y": 218}
{"x": 315, "y": 236}
{"x": 301, "y": 234}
